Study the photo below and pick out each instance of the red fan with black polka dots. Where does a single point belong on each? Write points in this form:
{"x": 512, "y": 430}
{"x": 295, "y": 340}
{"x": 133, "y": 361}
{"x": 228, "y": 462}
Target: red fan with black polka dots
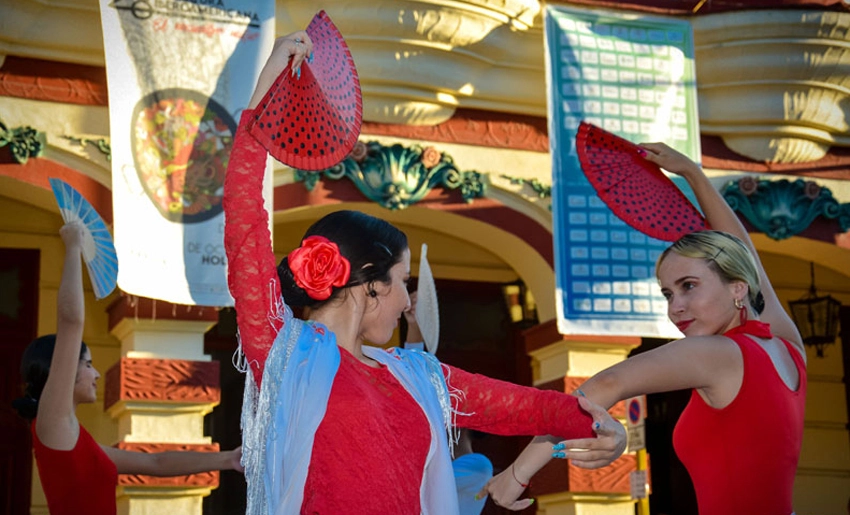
{"x": 313, "y": 122}
{"x": 636, "y": 190}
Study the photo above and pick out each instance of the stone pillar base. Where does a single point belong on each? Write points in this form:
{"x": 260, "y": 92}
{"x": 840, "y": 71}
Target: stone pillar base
{"x": 146, "y": 500}
{"x": 570, "y": 503}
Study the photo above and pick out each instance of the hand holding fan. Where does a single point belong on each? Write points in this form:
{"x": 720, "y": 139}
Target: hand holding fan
{"x": 98, "y": 250}
{"x": 427, "y": 310}
{"x": 312, "y": 122}
{"x": 636, "y": 190}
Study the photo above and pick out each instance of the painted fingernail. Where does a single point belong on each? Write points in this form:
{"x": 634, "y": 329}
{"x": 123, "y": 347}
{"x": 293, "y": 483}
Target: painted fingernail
{"x": 558, "y": 447}
{"x": 596, "y": 426}
{"x": 477, "y": 497}
{"x": 298, "y": 73}
{"x": 641, "y": 152}
{"x": 558, "y": 455}
{"x": 532, "y": 502}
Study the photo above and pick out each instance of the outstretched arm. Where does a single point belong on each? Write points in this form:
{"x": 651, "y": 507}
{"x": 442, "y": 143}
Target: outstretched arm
{"x": 173, "y": 463}
{"x": 57, "y": 426}
{"x": 609, "y": 443}
{"x": 677, "y": 365}
{"x": 251, "y": 272}
{"x": 721, "y": 217}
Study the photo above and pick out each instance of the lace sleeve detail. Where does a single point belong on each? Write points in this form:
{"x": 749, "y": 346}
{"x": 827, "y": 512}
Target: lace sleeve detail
{"x": 503, "y": 408}
{"x": 251, "y": 269}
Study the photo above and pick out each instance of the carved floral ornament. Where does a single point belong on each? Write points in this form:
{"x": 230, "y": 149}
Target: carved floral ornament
{"x": 397, "y": 176}
{"x": 24, "y": 142}
{"x": 784, "y": 208}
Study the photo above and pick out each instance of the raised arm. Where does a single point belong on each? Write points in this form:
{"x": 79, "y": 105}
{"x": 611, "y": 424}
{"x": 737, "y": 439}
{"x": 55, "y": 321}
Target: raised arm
{"x": 252, "y": 272}
{"x": 720, "y": 216}
{"x": 57, "y": 426}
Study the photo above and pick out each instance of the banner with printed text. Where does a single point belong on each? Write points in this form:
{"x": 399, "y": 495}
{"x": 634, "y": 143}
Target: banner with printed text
{"x": 633, "y": 76}
{"x": 179, "y": 73}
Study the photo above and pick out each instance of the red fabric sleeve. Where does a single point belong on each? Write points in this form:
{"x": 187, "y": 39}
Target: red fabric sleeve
{"x": 251, "y": 269}
{"x": 503, "y": 408}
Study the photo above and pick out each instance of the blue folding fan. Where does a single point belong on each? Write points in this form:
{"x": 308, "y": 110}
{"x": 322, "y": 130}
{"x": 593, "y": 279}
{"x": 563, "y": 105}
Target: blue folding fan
{"x": 98, "y": 249}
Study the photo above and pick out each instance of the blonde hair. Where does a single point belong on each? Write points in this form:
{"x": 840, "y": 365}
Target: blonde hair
{"x": 727, "y": 255}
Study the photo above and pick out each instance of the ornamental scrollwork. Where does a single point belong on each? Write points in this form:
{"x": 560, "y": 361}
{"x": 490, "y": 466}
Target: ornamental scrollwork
{"x": 543, "y": 191}
{"x": 24, "y": 142}
{"x": 101, "y": 144}
{"x": 784, "y": 208}
{"x": 397, "y": 176}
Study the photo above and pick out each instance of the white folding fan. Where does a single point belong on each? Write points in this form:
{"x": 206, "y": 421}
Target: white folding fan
{"x": 427, "y": 310}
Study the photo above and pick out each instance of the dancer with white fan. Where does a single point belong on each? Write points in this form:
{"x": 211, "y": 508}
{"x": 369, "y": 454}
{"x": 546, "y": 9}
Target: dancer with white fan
{"x": 328, "y": 418}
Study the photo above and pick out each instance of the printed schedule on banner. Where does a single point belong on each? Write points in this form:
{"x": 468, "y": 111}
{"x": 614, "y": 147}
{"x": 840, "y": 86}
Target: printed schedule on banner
{"x": 632, "y": 76}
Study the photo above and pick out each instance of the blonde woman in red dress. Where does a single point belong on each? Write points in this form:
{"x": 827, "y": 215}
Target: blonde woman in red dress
{"x": 742, "y": 357}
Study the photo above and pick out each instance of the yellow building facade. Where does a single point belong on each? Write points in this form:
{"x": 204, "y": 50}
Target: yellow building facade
{"x": 465, "y": 79}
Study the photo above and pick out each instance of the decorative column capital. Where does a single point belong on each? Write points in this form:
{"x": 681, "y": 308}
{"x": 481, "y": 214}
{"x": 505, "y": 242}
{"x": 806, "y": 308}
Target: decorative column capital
{"x": 162, "y": 380}
{"x": 555, "y": 356}
{"x": 143, "y": 308}
{"x": 150, "y": 328}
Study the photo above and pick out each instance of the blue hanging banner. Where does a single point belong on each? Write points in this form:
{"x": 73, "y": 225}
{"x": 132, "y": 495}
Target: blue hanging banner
{"x": 633, "y": 76}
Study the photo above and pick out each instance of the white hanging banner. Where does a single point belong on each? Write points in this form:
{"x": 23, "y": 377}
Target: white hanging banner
{"x": 179, "y": 74}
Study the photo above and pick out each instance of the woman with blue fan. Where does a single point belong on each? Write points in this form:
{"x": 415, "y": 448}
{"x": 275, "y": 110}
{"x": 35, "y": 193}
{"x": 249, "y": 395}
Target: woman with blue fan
{"x": 742, "y": 357}
{"x": 77, "y": 474}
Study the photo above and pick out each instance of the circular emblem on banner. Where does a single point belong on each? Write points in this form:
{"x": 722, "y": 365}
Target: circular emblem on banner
{"x": 181, "y": 143}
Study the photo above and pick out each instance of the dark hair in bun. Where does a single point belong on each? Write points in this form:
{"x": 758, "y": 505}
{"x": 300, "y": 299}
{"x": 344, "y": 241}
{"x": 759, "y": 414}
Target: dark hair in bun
{"x": 35, "y": 367}
{"x": 371, "y": 245}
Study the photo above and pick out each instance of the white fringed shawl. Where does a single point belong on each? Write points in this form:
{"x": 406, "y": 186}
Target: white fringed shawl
{"x": 280, "y": 420}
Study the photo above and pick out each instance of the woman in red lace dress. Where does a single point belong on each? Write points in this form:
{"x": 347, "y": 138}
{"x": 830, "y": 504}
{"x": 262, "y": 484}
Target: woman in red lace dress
{"x": 742, "y": 356}
{"x": 332, "y": 425}
{"x": 77, "y": 474}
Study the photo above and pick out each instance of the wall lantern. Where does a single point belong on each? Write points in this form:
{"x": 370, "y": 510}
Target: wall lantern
{"x": 520, "y": 304}
{"x": 816, "y": 317}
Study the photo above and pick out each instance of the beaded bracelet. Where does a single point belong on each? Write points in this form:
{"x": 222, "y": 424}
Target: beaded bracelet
{"x": 524, "y": 485}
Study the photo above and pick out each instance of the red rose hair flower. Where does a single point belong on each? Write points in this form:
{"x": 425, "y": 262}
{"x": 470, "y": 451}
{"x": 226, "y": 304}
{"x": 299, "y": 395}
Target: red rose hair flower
{"x": 317, "y": 267}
